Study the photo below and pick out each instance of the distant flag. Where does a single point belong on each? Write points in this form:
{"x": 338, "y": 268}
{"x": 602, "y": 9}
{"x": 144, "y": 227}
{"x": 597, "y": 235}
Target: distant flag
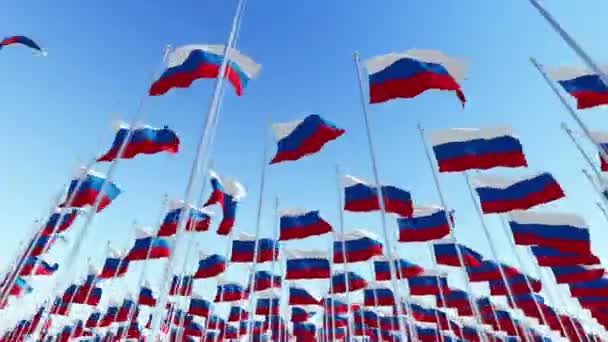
{"x": 299, "y": 224}
{"x": 42, "y": 268}
{"x": 43, "y": 243}
{"x": 300, "y": 138}
{"x": 377, "y": 294}
{"x": 244, "y": 249}
{"x": 199, "y": 306}
{"x": 446, "y": 253}
{"x": 489, "y": 270}
{"x": 562, "y": 231}
{"x": 147, "y": 246}
{"x": 267, "y": 306}
{"x": 237, "y": 314}
{"x": 597, "y": 288}
{"x": 517, "y": 285}
{"x": 462, "y": 149}
{"x": 426, "y": 224}
{"x": 146, "y": 296}
{"x": 143, "y": 140}
{"x": 307, "y": 265}
{"x": 198, "y": 219}
{"x": 300, "y": 315}
{"x": 577, "y": 273}
{"x": 191, "y": 62}
{"x": 23, "y": 40}
{"x": 227, "y": 193}
{"x": 456, "y": 299}
{"x": 340, "y": 280}
{"x": 334, "y": 305}
{"x": 356, "y": 246}
{"x": 404, "y": 269}
{"x": 499, "y": 195}
{"x": 20, "y": 287}
{"x": 87, "y": 187}
{"x": 410, "y": 73}
{"x": 264, "y": 280}
{"x": 360, "y": 196}
{"x": 300, "y": 296}
{"x": 114, "y": 266}
{"x": 230, "y": 292}
{"x": 210, "y": 266}
{"x": 582, "y": 84}
{"x": 181, "y": 286}
{"x": 428, "y": 283}
{"x": 549, "y": 256}
{"x": 52, "y": 226}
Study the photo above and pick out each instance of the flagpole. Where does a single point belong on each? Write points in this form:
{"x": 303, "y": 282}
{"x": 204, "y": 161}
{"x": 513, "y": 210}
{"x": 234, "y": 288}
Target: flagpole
{"x": 200, "y": 162}
{"x": 595, "y": 186}
{"x": 378, "y": 329}
{"x": 274, "y": 260}
{"x": 380, "y": 195}
{"x": 441, "y": 294}
{"x": 465, "y": 274}
{"x": 603, "y": 210}
{"x": 408, "y": 305}
{"x": 344, "y": 256}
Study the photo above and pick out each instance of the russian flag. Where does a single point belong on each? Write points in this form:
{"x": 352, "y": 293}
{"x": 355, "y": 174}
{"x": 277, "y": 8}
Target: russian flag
{"x": 237, "y": 314}
{"x": 144, "y": 139}
{"x": 85, "y": 189}
{"x": 42, "y": 244}
{"x": 297, "y": 224}
{"x": 411, "y": 73}
{"x": 594, "y": 288}
{"x": 428, "y": 283}
{"x": 42, "y": 268}
{"x": 20, "y": 287}
{"x": 229, "y": 332}
{"x": 582, "y": 84}
{"x": 23, "y": 40}
{"x": 146, "y": 296}
{"x": 404, "y": 268}
{"x": 198, "y": 219}
{"x": 300, "y": 315}
{"x": 181, "y": 286}
{"x": 378, "y": 295}
{"x": 520, "y": 284}
{"x": 149, "y": 247}
{"x": 499, "y": 195}
{"x": 227, "y": 193}
{"x": 300, "y": 296}
{"x": 59, "y": 307}
{"x": 230, "y": 292}
{"x": 446, "y": 253}
{"x": 462, "y": 149}
{"x": 199, "y": 306}
{"x": 307, "y": 265}
{"x": 191, "y": 62}
{"x": 67, "y": 218}
{"x": 356, "y": 246}
{"x": 489, "y": 270}
{"x": 300, "y": 138}
{"x": 577, "y": 273}
{"x": 593, "y": 303}
{"x": 264, "y": 280}
{"x": 267, "y": 306}
{"x": 244, "y": 249}
{"x": 565, "y": 232}
{"x": 360, "y": 196}
{"x": 427, "y": 333}
{"x": 340, "y": 281}
{"x": 456, "y": 299}
{"x": 548, "y": 256}
{"x": 114, "y": 266}
{"x": 426, "y": 224}
{"x": 210, "y": 266}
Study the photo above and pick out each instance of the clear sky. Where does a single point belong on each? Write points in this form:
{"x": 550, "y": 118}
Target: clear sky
{"x": 58, "y": 110}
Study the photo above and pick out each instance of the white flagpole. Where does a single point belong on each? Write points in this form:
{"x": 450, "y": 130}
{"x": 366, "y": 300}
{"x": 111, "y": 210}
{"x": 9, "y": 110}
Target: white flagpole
{"x": 408, "y": 304}
{"x": 441, "y": 294}
{"x": 596, "y": 186}
{"x": 372, "y": 155}
{"x": 274, "y": 261}
{"x": 571, "y": 42}
{"x": 344, "y": 256}
{"x": 199, "y": 164}
{"x": 378, "y": 329}
{"x": 465, "y": 274}
{"x": 603, "y": 210}
{"x": 482, "y": 221}
{"x": 578, "y": 146}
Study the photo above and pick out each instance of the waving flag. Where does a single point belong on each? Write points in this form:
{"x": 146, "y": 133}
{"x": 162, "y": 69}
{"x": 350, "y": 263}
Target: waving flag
{"x": 339, "y": 282}
{"x": 23, "y": 40}
{"x": 489, "y": 270}
{"x": 143, "y": 140}
{"x": 577, "y": 273}
{"x": 305, "y": 331}
{"x": 146, "y": 296}
{"x": 198, "y": 219}
{"x": 230, "y": 292}
{"x": 378, "y": 295}
{"x": 181, "y": 286}
{"x": 404, "y": 269}
{"x": 199, "y": 306}
{"x": 87, "y": 187}
{"x": 42, "y": 268}
{"x": 227, "y": 193}
{"x": 425, "y": 224}
{"x": 456, "y": 299}
{"x": 582, "y": 84}
{"x": 498, "y": 195}
{"x": 597, "y": 288}
{"x": 43, "y": 243}
{"x": 334, "y": 305}
{"x": 520, "y": 284}
{"x": 360, "y": 196}
{"x": 191, "y": 62}
{"x": 20, "y": 287}
{"x": 461, "y": 149}
{"x": 237, "y": 314}
{"x": 296, "y": 224}
{"x": 446, "y": 253}
{"x": 299, "y": 315}
{"x": 300, "y": 296}
{"x": 210, "y": 266}
{"x": 264, "y": 280}
{"x": 428, "y": 283}
{"x": 307, "y": 265}
{"x": 548, "y": 256}
{"x": 114, "y": 266}
{"x": 53, "y": 226}
{"x": 267, "y": 306}
{"x": 565, "y": 232}
{"x": 244, "y": 249}
{"x": 411, "y": 73}
{"x": 357, "y": 246}
{"x": 149, "y": 247}
{"x": 300, "y": 138}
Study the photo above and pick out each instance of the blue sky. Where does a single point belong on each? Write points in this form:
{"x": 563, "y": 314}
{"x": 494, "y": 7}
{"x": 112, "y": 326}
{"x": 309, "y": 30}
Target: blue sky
{"x": 58, "y": 110}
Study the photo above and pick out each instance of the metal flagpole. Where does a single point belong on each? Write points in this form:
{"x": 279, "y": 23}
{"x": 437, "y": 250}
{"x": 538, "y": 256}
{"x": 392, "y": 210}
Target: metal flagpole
{"x": 441, "y": 294}
{"x": 596, "y": 187}
{"x": 274, "y": 259}
{"x": 378, "y": 330}
{"x": 571, "y": 42}
{"x": 465, "y": 274}
{"x": 199, "y": 164}
{"x": 372, "y": 155}
{"x": 602, "y": 209}
{"x": 503, "y": 276}
{"x": 408, "y": 305}
{"x": 581, "y": 151}
{"x": 344, "y": 256}
{"x": 569, "y": 108}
